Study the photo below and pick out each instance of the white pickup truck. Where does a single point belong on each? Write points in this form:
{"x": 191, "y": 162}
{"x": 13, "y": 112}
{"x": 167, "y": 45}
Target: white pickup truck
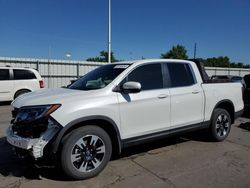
{"x": 120, "y": 105}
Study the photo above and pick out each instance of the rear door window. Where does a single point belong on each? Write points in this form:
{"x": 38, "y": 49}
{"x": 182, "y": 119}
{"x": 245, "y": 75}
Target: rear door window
{"x": 4, "y": 74}
{"x": 180, "y": 74}
{"x": 23, "y": 74}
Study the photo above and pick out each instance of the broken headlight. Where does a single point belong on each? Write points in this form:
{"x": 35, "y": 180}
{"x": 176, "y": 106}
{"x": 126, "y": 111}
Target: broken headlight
{"x": 33, "y": 121}
{"x": 29, "y": 114}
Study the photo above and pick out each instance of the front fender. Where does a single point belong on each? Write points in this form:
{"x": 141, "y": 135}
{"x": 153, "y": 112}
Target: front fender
{"x": 75, "y": 124}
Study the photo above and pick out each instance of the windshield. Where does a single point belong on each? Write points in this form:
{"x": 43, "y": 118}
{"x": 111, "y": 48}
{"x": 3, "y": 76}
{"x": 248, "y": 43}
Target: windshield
{"x": 99, "y": 78}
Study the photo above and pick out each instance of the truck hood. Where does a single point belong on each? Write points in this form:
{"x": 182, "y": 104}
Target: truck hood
{"x": 50, "y": 96}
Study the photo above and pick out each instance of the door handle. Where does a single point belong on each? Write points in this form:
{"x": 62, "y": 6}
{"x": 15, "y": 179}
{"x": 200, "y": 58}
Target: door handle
{"x": 195, "y": 92}
{"x": 162, "y": 96}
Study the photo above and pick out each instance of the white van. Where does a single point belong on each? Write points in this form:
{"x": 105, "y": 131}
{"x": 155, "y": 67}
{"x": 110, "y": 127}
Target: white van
{"x": 17, "y": 81}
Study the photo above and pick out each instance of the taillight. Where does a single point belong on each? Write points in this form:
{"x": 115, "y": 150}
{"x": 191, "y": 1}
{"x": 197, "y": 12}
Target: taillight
{"x": 41, "y": 83}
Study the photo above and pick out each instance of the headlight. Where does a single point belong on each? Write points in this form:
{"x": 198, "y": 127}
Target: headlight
{"x": 32, "y": 113}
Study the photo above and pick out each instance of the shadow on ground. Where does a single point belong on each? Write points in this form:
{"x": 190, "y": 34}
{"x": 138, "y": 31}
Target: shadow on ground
{"x": 144, "y": 148}
{"x": 200, "y": 136}
{"x": 245, "y": 126}
{"x": 10, "y": 165}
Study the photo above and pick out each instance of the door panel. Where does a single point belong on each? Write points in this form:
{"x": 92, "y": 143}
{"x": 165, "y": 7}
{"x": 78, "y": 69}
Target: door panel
{"x": 145, "y": 112}
{"x": 187, "y": 97}
{"x": 6, "y": 90}
{"x": 186, "y": 105}
{"x": 6, "y": 85}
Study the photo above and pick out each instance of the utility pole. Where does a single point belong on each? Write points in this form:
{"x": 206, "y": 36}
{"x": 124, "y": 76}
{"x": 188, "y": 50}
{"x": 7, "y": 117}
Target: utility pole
{"x": 109, "y": 31}
{"x": 194, "y": 50}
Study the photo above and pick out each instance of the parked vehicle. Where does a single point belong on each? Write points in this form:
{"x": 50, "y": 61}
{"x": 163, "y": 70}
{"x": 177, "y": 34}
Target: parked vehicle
{"x": 220, "y": 77}
{"x": 247, "y": 92}
{"x": 18, "y": 81}
{"x": 229, "y": 78}
{"x": 120, "y": 105}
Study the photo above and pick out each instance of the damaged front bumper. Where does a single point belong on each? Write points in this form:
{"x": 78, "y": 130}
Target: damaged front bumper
{"x": 34, "y": 146}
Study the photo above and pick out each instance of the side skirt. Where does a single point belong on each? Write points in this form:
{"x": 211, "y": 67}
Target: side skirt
{"x": 160, "y": 135}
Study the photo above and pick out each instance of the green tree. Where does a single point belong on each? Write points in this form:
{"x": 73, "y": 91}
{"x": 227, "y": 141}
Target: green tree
{"x": 218, "y": 62}
{"x": 103, "y": 57}
{"x": 240, "y": 65}
{"x": 177, "y": 52}
{"x": 233, "y": 65}
{"x": 223, "y": 62}
{"x": 246, "y": 66}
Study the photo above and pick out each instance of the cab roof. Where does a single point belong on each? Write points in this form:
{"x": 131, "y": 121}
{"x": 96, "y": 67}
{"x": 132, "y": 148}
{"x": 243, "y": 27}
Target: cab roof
{"x": 153, "y": 60}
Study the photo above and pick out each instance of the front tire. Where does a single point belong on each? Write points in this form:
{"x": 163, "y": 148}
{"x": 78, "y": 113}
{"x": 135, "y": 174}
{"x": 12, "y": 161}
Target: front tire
{"x": 220, "y": 125}
{"x": 86, "y": 152}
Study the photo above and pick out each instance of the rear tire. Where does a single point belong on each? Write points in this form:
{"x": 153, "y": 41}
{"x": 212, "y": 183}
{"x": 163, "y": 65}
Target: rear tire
{"x": 85, "y": 152}
{"x": 220, "y": 125}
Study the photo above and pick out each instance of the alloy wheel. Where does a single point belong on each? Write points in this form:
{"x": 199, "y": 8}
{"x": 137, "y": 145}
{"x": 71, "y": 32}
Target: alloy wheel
{"x": 88, "y": 153}
{"x": 222, "y": 125}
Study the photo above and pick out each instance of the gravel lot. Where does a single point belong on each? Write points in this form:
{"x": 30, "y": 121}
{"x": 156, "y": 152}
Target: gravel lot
{"x": 187, "y": 161}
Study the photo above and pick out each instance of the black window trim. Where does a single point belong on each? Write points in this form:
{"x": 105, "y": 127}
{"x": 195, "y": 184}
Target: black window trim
{"x": 168, "y": 75}
{"x": 193, "y": 74}
{"x": 165, "y": 80}
{"x": 11, "y": 74}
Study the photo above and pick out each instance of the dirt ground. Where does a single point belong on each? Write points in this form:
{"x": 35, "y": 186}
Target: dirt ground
{"x": 187, "y": 161}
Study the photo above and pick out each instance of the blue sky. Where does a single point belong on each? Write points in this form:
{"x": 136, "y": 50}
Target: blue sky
{"x": 140, "y": 28}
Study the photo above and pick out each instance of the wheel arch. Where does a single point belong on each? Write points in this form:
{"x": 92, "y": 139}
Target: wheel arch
{"x": 101, "y": 121}
{"x": 19, "y": 90}
{"x": 228, "y": 106}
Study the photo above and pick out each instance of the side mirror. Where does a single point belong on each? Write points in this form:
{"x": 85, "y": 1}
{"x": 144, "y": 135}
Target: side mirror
{"x": 131, "y": 87}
